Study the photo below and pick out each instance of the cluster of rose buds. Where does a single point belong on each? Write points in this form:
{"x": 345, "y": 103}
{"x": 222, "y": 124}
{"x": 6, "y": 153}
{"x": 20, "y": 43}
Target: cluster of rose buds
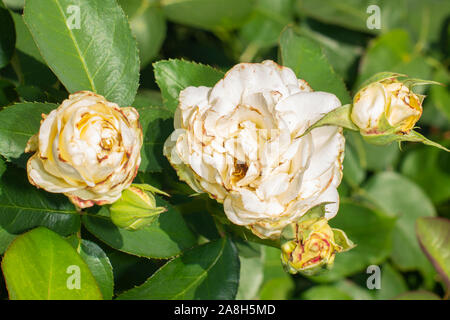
{"x": 260, "y": 141}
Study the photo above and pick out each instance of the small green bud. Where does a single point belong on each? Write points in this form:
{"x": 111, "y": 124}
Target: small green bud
{"x": 136, "y": 208}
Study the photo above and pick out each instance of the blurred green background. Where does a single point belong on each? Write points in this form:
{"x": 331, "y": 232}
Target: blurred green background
{"x": 384, "y": 190}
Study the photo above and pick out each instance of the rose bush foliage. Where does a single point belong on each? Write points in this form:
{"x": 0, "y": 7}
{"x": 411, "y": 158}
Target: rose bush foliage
{"x": 271, "y": 128}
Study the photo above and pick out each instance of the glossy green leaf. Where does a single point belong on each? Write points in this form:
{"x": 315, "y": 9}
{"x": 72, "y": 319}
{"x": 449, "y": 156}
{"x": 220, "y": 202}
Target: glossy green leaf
{"x": 5, "y": 239}
{"x": 434, "y": 239}
{"x": 147, "y": 98}
{"x": 7, "y": 92}
{"x": 208, "y": 14}
{"x": 17, "y": 124}
{"x": 251, "y": 256}
{"x": 98, "y": 263}
{"x": 354, "y": 172}
{"x": 23, "y": 206}
{"x": 422, "y": 19}
{"x": 266, "y": 23}
{"x": 173, "y": 76}
{"x": 372, "y": 157}
{"x": 347, "y": 13}
{"x": 356, "y": 292}
{"x": 168, "y": 236}
{"x": 30, "y": 67}
{"x": 392, "y": 283}
{"x": 325, "y": 292}
{"x": 423, "y": 167}
{"x": 14, "y": 4}
{"x": 277, "y": 284}
{"x": 397, "y": 196}
{"x": 277, "y": 289}
{"x": 91, "y": 47}
{"x": 157, "y": 125}
{"x": 393, "y": 51}
{"x": 210, "y": 271}
{"x": 148, "y": 26}
{"x": 342, "y": 47}
{"x": 372, "y": 234}
{"x": 40, "y": 265}
{"x": 7, "y": 37}
{"x": 418, "y": 295}
{"x": 308, "y": 61}
{"x": 440, "y": 95}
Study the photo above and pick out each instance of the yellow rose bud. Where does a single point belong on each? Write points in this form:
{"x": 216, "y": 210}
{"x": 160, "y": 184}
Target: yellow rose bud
{"x": 88, "y": 148}
{"x": 135, "y": 209}
{"x": 311, "y": 245}
{"x": 386, "y": 105}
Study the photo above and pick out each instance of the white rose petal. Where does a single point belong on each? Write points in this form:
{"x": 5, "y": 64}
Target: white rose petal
{"x": 88, "y": 149}
{"x": 240, "y": 142}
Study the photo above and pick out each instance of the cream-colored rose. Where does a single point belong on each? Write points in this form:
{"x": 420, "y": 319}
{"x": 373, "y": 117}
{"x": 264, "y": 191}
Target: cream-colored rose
{"x": 388, "y": 99}
{"x": 87, "y": 148}
{"x": 240, "y": 142}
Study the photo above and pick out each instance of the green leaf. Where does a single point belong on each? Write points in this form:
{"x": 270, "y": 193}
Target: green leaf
{"x": 7, "y": 37}
{"x": 99, "y": 54}
{"x": 354, "y": 172}
{"x": 5, "y": 239}
{"x": 147, "y": 98}
{"x": 30, "y": 67}
{"x": 98, "y": 263}
{"x": 277, "y": 284}
{"x": 395, "y": 52}
{"x": 173, "y": 76}
{"x": 440, "y": 95}
{"x": 392, "y": 283}
{"x": 418, "y": 295}
{"x": 417, "y": 137}
{"x": 345, "y": 13}
{"x": 266, "y": 22}
{"x": 308, "y": 61}
{"x": 148, "y": 26}
{"x": 23, "y": 206}
{"x": 251, "y": 256}
{"x": 370, "y": 156}
{"x": 277, "y": 289}
{"x": 157, "y": 125}
{"x": 208, "y": 14}
{"x": 372, "y": 234}
{"x": 14, "y": 4}
{"x": 325, "y": 292}
{"x": 422, "y": 19}
{"x": 355, "y": 291}
{"x": 340, "y": 117}
{"x": 17, "y": 124}
{"x": 422, "y": 165}
{"x": 168, "y": 236}
{"x": 210, "y": 271}
{"x": 434, "y": 239}
{"x": 342, "y": 47}
{"x": 399, "y": 197}
{"x": 40, "y": 265}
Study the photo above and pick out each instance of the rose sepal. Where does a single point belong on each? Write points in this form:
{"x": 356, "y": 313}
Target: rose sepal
{"x": 136, "y": 208}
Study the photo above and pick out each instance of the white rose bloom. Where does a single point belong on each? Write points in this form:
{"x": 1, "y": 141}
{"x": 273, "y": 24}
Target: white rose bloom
{"x": 390, "y": 100}
{"x": 87, "y": 148}
{"x": 240, "y": 142}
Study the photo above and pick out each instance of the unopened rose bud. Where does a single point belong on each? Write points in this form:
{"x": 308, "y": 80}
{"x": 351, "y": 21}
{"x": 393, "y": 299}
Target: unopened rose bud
{"x": 384, "y": 110}
{"x": 311, "y": 245}
{"x": 136, "y": 208}
{"x": 387, "y": 106}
